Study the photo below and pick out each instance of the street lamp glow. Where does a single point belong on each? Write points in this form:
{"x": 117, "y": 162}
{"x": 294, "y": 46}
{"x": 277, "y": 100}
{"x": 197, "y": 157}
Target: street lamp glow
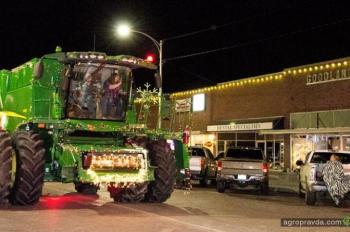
{"x": 123, "y": 30}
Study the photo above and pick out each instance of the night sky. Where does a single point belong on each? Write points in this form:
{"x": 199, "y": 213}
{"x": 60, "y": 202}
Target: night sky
{"x": 252, "y": 37}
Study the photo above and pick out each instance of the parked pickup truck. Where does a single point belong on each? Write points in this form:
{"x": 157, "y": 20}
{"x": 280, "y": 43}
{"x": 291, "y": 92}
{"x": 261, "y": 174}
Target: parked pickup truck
{"x": 202, "y": 165}
{"x": 310, "y": 178}
{"x": 242, "y": 168}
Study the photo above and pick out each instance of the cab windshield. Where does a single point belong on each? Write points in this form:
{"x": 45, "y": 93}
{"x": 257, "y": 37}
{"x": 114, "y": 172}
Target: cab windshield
{"x": 98, "y": 91}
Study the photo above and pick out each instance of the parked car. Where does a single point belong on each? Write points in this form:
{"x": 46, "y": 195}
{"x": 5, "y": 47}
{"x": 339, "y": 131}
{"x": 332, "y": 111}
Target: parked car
{"x": 202, "y": 165}
{"x": 242, "y": 168}
{"x": 310, "y": 176}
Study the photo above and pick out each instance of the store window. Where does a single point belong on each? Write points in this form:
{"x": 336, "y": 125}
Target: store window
{"x": 246, "y": 143}
{"x": 333, "y": 143}
{"x": 221, "y": 146}
{"x": 321, "y": 142}
{"x": 301, "y": 145}
{"x": 246, "y": 136}
{"x": 346, "y": 143}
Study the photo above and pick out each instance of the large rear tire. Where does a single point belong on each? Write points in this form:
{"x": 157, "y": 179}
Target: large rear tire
{"x": 162, "y": 157}
{"x": 134, "y": 194}
{"x": 30, "y": 157}
{"x": 310, "y": 197}
{"x": 264, "y": 188}
{"x": 205, "y": 181}
{"x": 220, "y": 186}
{"x": 5, "y": 166}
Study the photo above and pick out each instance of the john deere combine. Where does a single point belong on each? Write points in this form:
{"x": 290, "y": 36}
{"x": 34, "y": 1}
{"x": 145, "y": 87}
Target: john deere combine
{"x": 70, "y": 117}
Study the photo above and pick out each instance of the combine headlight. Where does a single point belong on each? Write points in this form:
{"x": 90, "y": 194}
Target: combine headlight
{"x": 112, "y": 161}
{"x": 86, "y": 55}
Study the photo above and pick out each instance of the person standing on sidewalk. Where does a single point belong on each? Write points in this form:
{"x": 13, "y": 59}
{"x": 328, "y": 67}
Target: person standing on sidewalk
{"x": 337, "y": 183}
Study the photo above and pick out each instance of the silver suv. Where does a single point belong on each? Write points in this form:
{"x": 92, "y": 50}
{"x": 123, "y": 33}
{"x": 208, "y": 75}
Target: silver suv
{"x": 310, "y": 177}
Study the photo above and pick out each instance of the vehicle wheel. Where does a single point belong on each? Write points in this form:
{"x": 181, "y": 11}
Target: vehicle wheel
{"x": 204, "y": 182}
{"x": 5, "y": 165}
{"x": 30, "y": 168}
{"x": 133, "y": 194}
{"x": 264, "y": 189}
{"x": 162, "y": 157}
{"x": 310, "y": 197}
{"x": 86, "y": 188}
{"x": 220, "y": 186}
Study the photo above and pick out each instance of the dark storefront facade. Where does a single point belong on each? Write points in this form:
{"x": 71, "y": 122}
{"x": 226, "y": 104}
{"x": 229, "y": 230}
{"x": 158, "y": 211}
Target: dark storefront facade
{"x": 287, "y": 113}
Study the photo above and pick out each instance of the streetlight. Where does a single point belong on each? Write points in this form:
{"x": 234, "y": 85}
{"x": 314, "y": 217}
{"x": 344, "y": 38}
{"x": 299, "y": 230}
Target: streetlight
{"x": 123, "y": 31}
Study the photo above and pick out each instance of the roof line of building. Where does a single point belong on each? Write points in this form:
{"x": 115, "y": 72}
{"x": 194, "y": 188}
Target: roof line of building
{"x": 304, "y": 69}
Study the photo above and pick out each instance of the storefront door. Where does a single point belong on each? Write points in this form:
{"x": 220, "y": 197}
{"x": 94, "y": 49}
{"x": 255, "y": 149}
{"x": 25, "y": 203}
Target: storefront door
{"x": 273, "y": 150}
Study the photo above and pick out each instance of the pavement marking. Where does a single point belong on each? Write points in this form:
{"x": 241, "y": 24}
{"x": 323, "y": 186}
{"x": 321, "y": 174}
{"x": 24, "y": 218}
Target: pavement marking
{"x": 173, "y": 219}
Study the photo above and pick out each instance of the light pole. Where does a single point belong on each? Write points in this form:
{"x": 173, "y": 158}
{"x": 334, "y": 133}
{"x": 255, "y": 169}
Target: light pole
{"x": 124, "y": 31}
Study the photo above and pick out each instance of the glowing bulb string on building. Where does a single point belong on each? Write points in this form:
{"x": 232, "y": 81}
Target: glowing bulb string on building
{"x": 294, "y": 71}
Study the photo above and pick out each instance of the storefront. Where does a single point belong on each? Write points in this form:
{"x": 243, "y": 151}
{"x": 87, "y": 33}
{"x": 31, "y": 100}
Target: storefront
{"x": 310, "y": 102}
{"x": 333, "y": 133}
{"x": 247, "y": 135}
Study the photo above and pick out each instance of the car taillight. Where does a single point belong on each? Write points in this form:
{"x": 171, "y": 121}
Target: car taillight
{"x": 87, "y": 158}
{"x": 219, "y": 163}
{"x": 265, "y": 168}
{"x": 319, "y": 176}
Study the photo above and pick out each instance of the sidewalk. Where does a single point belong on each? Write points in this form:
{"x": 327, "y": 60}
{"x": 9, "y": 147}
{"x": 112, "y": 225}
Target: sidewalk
{"x": 283, "y": 181}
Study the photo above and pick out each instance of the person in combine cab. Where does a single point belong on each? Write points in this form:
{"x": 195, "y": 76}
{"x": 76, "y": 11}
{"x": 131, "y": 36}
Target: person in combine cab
{"x": 110, "y": 98}
{"x": 337, "y": 183}
{"x": 87, "y": 100}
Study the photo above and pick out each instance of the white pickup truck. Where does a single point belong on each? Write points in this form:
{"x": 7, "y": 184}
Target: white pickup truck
{"x": 310, "y": 178}
{"x": 202, "y": 165}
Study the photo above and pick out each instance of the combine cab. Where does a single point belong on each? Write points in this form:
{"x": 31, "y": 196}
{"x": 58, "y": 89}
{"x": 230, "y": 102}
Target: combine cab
{"x": 70, "y": 117}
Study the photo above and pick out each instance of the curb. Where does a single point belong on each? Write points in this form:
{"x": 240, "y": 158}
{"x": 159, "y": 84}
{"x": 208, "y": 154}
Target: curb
{"x": 283, "y": 189}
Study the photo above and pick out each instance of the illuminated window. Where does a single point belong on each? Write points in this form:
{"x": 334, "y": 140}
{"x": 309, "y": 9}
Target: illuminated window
{"x": 198, "y": 102}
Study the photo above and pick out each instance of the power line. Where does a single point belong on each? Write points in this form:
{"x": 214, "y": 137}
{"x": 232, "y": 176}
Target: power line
{"x": 215, "y": 27}
{"x": 257, "y": 41}
{"x": 195, "y": 74}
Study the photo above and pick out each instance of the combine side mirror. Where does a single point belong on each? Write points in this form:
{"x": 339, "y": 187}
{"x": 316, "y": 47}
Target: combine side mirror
{"x": 38, "y": 70}
{"x": 299, "y": 163}
{"x": 158, "y": 80}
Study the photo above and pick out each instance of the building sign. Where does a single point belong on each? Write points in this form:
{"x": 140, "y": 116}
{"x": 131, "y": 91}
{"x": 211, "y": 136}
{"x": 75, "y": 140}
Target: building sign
{"x": 328, "y": 76}
{"x": 183, "y": 105}
{"x": 240, "y": 127}
{"x": 198, "y": 102}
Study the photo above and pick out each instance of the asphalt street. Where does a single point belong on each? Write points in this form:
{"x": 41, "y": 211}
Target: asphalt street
{"x": 201, "y": 209}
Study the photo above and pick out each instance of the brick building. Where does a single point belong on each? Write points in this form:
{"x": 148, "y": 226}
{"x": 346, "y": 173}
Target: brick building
{"x": 287, "y": 113}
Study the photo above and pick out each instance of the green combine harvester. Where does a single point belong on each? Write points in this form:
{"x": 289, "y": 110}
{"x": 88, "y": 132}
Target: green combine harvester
{"x": 71, "y": 117}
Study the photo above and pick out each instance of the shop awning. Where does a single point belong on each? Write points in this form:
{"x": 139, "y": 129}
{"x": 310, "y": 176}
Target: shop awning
{"x": 338, "y": 130}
